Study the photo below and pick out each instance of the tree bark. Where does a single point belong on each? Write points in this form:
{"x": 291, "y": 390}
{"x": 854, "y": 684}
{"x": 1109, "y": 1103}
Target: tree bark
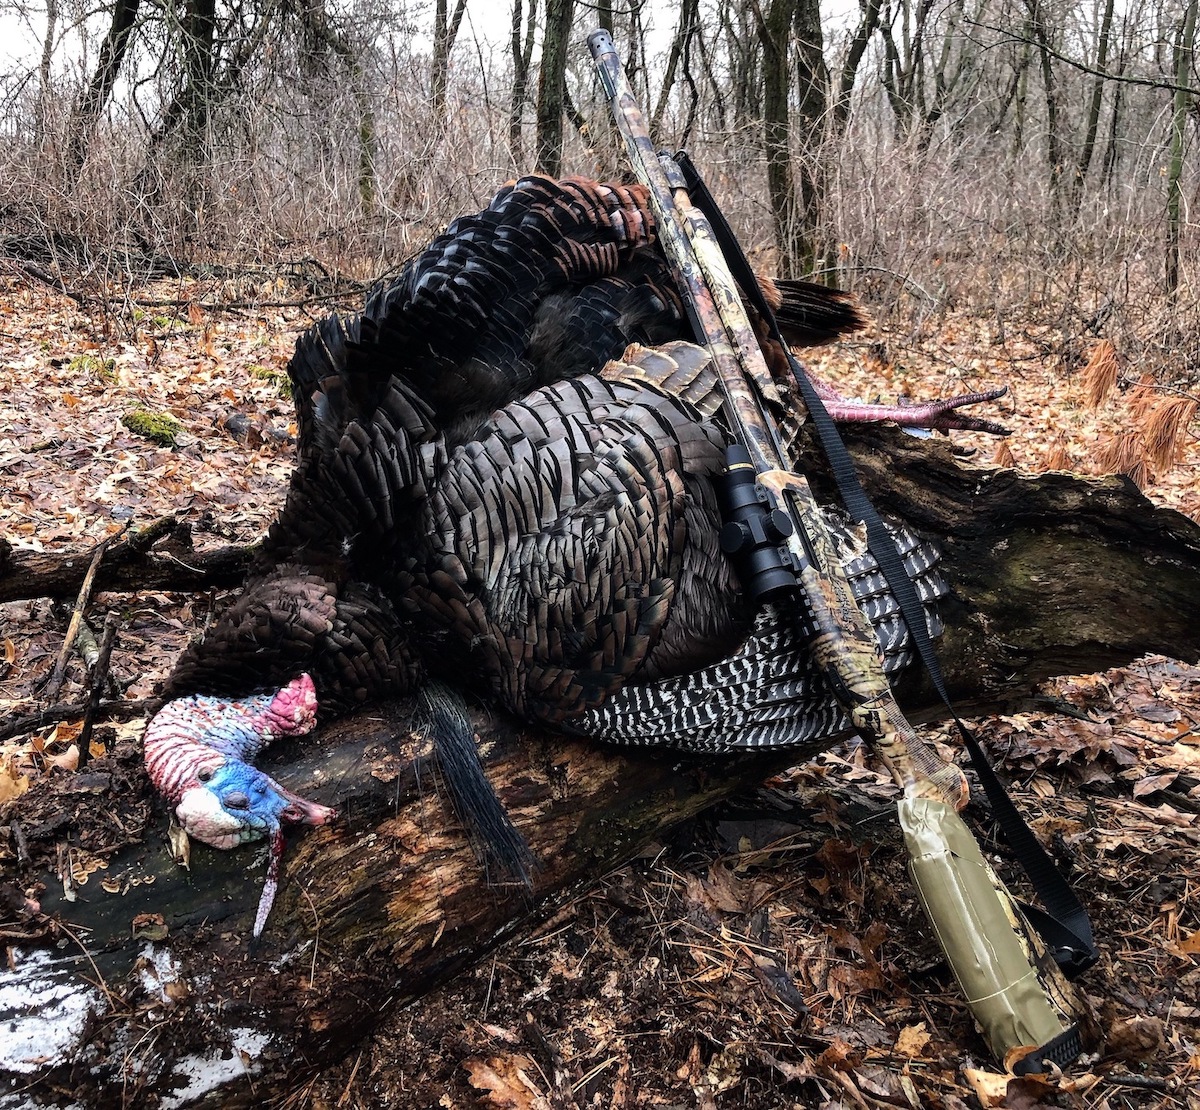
{"x": 157, "y": 557}
{"x": 108, "y": 69}
{"x": 859, "y": 40}
{"x": 1054, "y": 574}
{"x": 552, "y": 86}
{"x": 1096, "y": 97}
{"x": 1184, "y": 47}
{"x": 1055, "y": 157}
{"x": 44, "y": 91}
{"x": 774, "y": 33}
{"x": 522, "y": 58}
{"x": 687, "y": 26}
{"x": 445, "y": 32}
{"x": 324, "y": 31}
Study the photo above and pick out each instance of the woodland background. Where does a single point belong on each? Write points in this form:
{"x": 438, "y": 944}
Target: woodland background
{"x": 1028, "y": 158}
{"x": 1010, "y": 186}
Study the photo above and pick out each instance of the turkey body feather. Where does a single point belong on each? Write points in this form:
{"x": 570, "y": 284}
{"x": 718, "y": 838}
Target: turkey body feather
{"x": 488, "y": 498}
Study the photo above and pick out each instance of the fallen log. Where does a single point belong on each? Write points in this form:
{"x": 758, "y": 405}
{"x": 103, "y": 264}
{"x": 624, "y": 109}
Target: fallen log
{"x": 154, "y": 991}
{"x": 158, "y": 556}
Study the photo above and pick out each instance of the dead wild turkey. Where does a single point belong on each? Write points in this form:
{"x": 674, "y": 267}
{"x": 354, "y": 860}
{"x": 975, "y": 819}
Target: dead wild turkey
{"x": 477, "y": 505}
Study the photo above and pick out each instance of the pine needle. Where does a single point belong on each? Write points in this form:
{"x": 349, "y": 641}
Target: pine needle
{"x": 1165, "y": 430}
{"x": 1125, "y": 453}
{"x": 1058, "y": 457}
{"x": 1141, "y": 398}
{"x": 1100, "y": 374}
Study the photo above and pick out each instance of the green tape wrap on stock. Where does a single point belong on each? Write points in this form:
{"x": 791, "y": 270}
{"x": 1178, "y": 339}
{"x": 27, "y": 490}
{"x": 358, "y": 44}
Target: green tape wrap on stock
{"x": 1015, "y": 990}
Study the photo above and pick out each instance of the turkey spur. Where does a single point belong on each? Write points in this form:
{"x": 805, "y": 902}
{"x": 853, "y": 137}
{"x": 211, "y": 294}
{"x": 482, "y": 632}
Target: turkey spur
{"x": 483, "y": 501}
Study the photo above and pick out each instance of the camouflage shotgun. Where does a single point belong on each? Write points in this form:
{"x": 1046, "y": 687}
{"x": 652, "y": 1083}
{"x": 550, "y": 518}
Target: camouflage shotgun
{"x": 776, "y": 534}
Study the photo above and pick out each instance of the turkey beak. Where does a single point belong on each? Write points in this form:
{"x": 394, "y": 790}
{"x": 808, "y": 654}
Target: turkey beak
{"x": 300, "y": 811}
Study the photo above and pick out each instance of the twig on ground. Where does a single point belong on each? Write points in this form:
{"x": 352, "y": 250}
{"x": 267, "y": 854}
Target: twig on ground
{"x": 55, "y": 283}
{"x": 85, "y": 592}
{"x": 99, "y": 677}
{"x": 17, "y": 726}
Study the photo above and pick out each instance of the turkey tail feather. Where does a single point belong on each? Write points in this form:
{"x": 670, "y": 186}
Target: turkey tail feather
{"x": 810, "y": 314}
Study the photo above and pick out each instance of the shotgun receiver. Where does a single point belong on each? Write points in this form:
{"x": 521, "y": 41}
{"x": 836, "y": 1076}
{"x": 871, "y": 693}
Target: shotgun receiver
{"x": 780, "y": 544}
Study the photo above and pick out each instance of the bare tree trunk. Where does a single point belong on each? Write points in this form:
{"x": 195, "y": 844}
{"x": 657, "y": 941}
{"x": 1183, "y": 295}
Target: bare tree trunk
{"x": 221, "y": 81}
{"x": 796, "y": 210}
{"x": 315, "y": 19}
{"x": 740, "y": 37}
{"x": 904, "y": 62}
{"x": 199, "y": 66}
{"x": 522, "y": 58}
{"x": 1055, "y": 160}
{"x": 108, "y": 69}
{"x": 43, "y": 104}
{"x": 812, "y": 115}
{"x": 1092, "y": 124}
{"x": 685, "y": 28}
{"x": 953, "y": 64}
{"x": 774, "y": 32}
{"x": 552, "y": 85}
{"x": 1013, "y": 93}
{"x": 713, "y": 86}
{"x": 1185, "y": 42}
{"x": 1112, "y": 147}
{"x": 867, "y": 25}
{"x": 445, "y": 31}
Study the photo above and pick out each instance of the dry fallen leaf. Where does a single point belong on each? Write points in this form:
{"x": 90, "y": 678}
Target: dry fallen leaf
{"x": 1151, "y": 783}
{"x": 503, "y": 1083}
{"x": 912, "y": 1040}
{"x": 68, "y": 760}
{"x": 12, "y": 785}
{"x": 1191, "y": 944}
{"x": 990, "y": 1087}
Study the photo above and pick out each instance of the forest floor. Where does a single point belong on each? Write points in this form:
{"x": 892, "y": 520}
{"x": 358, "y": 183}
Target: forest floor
{"x": 653, "y": 989}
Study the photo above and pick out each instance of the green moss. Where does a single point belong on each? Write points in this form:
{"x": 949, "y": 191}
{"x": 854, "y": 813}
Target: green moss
{"x": 153, "y": 323}
{"x": 277, "y": 378}
{"x": 158, "y": 427}
{"x": 102, "y": 369}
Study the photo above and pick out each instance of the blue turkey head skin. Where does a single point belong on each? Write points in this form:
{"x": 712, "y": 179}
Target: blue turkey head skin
{"x": 239, "y": 803}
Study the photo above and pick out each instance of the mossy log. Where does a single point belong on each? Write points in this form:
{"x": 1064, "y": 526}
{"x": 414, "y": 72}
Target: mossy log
{"x": 155, "y": 991}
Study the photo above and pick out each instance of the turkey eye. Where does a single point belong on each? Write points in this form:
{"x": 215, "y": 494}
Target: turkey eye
{"x": 205, "y": 775}
{"x": 237, "y": 800}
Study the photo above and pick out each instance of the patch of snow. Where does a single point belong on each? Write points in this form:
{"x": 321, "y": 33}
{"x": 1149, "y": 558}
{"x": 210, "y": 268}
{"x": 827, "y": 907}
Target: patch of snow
{"x": 43, "y": 1009}
{"x": 160, "y": 969}
{"x": 210, "y": 1071}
